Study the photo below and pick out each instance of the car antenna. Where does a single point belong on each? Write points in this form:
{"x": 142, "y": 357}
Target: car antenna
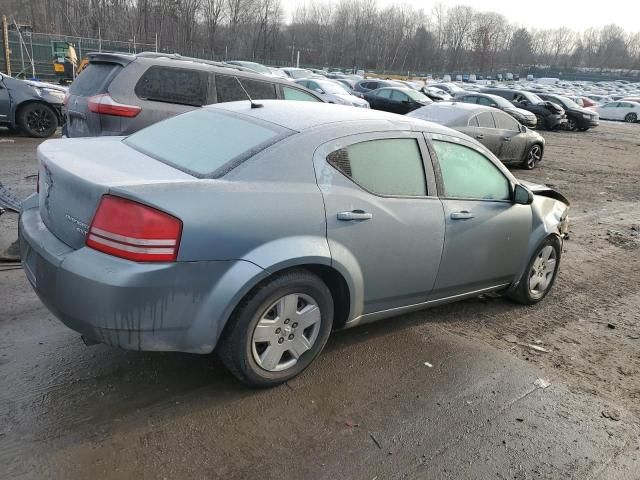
{"x": 253, "y": 104}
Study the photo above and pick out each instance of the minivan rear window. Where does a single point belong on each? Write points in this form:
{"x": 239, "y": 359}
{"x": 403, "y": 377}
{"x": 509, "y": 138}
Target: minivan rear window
{"x": 206, "y": 142}
{"x": 93, "y": 79}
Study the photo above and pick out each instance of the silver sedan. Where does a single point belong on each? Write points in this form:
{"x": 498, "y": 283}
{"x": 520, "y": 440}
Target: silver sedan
{"x": 257, "y": 230}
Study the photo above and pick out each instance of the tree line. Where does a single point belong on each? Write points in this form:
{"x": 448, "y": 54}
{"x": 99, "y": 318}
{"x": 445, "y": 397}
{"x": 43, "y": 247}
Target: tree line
{"x": 346, "y": 33}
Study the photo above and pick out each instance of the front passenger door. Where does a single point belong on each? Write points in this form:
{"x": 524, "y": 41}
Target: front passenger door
{"x": 487, "y": 235}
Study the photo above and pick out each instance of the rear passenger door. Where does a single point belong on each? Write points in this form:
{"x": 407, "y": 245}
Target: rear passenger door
{"x": 384, "y": 221}
{"x": 487, "y": 134}
{"x": 514, "y": 142}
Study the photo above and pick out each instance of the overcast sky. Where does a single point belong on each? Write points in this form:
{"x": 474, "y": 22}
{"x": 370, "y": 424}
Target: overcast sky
{"x": 575, "y": 14}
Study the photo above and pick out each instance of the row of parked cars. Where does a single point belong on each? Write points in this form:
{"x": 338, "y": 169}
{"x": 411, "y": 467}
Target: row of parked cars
{"x": 257, "y": 227}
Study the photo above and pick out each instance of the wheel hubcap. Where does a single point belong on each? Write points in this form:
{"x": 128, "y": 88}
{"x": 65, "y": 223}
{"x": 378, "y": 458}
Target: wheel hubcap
{"x": 285, "y": 331}
{"x": 542, "y": 271}
{"x": 534, "y": 156}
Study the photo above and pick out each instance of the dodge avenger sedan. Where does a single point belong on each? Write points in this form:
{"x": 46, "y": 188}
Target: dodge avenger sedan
{"x": 257, "y": 229}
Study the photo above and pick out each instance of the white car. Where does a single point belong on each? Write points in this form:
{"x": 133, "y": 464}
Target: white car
{"x": 627, "y": 111}
{"x": 332, "y": 92}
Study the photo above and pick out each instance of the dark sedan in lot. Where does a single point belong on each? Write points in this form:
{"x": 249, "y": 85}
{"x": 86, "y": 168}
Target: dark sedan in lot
{"x": 523, "y": 116}
{"x": 578, "y": 118}
{"x": 396, "y": 100}
{"x": 497, "y": 131}
{"x": 549, "y": 115}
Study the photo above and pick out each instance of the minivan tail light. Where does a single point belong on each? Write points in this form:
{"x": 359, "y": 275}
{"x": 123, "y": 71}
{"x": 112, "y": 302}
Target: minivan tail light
{"x": 134, "y": 231}
{"x": 106, "y": 105}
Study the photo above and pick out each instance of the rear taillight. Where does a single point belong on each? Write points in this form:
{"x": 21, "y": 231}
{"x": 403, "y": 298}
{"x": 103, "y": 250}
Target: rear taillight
{"x": 134, "y": 231}
{"x": 106, "y": 105}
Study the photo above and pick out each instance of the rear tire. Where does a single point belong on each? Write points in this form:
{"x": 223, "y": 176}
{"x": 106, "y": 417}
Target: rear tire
{"x": 267, "y": 321}
{"x": 631, "y": 118}
{"x": 540, "y": 274}
{"x": 37, "y": 120}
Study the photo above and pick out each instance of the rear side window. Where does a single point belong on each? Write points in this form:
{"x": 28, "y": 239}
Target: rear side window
{"x": 94, "y": 79}
{"x": 206, "y": 142}
{"x": 391, "y": 166}
{"x": 228, "y": 89}
{"x": 173, "y": 85}
{"x": 485, "y": 120}
{"x": 289, "y": 93}
{"x": 468, "y": 174}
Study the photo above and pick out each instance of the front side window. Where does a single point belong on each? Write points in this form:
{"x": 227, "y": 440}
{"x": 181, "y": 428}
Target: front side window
{"x": 289, "y": 93}
{"x": 485, "y": 120}
{"x": 468, "y": 174}
{"x": 384, "y": 93}
{"x": 399, "y": 96}
{"x": 173, "y": 85}
{"x": 391, "y": 166}
{"x": 505, "y": 122}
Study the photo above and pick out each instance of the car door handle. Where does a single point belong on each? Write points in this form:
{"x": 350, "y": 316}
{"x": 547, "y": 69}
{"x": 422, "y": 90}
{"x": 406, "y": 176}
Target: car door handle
{"x": 480, "y": 136}
{"x": 354, "y": 215}
{"x": 463, "y": 215}
{"x": 506, "y": 139}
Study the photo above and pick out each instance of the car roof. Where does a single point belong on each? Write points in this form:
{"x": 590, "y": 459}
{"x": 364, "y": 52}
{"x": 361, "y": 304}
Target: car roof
{"x": 300, "y": 116}
{"x": 450, "y": 113}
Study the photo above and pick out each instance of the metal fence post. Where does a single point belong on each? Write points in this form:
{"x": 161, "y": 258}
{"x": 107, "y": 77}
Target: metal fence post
{"x": 5, "y": 41}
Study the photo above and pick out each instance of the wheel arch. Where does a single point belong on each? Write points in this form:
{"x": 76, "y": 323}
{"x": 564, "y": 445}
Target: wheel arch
{"x": 18, "y": 108}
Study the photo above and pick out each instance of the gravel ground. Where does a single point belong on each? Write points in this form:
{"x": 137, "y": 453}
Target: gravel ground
{"x": 369, "y": 407}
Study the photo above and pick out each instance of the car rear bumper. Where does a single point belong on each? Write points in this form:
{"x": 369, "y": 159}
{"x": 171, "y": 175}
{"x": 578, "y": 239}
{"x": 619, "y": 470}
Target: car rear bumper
{"x": 179, "y": 306}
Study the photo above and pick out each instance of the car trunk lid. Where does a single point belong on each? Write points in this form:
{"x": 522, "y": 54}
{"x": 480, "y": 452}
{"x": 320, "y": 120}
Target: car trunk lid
{"x": 74, "y": 174}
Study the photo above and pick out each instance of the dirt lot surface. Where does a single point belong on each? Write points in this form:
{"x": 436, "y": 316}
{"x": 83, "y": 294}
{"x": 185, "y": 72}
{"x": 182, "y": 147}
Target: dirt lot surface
{"x": 452, "y": 392}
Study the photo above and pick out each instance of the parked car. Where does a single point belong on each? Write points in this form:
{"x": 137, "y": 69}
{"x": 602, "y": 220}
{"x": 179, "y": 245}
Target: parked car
{"x": 253, "y": 66}
{"x": 451, "y": 88}
{"x": 549, "y": 115}
{"x": 578, "y": 118}
{"x": 278, "y": 73}
{"x": 521, "y": 115}
{"x": 332, "y": 92}
{"x": 396, "y": 99}
{"x": 34, "y": 108}
{"x": 295, "y": 73}
{"x": 436, "y": 94}
{"x": 309, "y": 217}
{"x": 118, "y": 94}
{"x": 368, "y": 84}
{"x": 627, "y": 111}
{"x": 584, "y": 102}
{"x": 499, "y": 132}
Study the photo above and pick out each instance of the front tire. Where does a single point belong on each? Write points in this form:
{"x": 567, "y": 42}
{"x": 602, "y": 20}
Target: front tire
{"x": 278, "y": 329}
{"x": 532, "y": 157}
{"x": 540, "y": 274}
{"x": 37, "y": 120}
{"x": 631, "y": 118}
{"x": 540, "y": 122}
{"x": 572, "y": 124}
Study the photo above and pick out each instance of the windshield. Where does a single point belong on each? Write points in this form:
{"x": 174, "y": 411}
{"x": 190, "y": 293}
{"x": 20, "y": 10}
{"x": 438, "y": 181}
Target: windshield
{"x": 255, "y": 67}
{"x": 566, "y": 102}
{"x": 205, "y": 142}
{"x": 501, "y": 102}
{"x": 300, "y": 73}
{"x": 333, "y": 88}
{"x": 418, "y": 96}
{"x": 533, "y": 98}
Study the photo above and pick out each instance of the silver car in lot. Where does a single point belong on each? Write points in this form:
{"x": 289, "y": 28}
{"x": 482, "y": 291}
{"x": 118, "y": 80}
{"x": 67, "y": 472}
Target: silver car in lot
{"x": 257, "y": 231}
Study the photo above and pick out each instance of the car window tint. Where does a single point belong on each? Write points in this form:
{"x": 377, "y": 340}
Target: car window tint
{"x": 228, "y": 89}
{"x": 205, "y": 141}
{"x": 468, "y": 174}
{"x": 485, "y": 101}
{"x": 470, "y": 99}
{"x": 173, "y": 85}
{"x": 505, "y": 122}
{"x": 289, "y": 93}
{"x": 399, "y": 96}
{"x": 384, "y": 93}
{"x": 485, "y": 120}
{"x": 391, "y": 166}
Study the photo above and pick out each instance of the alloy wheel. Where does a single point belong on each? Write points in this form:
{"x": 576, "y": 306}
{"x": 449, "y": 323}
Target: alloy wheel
{"x": 534, "y": 156}
{"x": 631, "y": 118}
{"x": 572, "y": 124}
{"x": 286, "y": 330}
{"x": 542, "y": 271}
{"x": 39, "y": 120}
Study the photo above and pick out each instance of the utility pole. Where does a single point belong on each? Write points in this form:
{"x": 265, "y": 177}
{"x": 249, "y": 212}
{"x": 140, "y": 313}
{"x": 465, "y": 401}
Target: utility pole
{"x": 298, "y": 60}
{"x": 5, "y": 42}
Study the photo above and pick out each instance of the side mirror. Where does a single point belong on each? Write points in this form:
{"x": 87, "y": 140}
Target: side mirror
{"x": 523, "y": 129}
{"x": 522, "y": 195}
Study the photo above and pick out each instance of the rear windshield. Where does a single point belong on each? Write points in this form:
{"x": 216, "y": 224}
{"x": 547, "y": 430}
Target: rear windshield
{"x": 93, "y": 79}
{"x": 206, "y": 142}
